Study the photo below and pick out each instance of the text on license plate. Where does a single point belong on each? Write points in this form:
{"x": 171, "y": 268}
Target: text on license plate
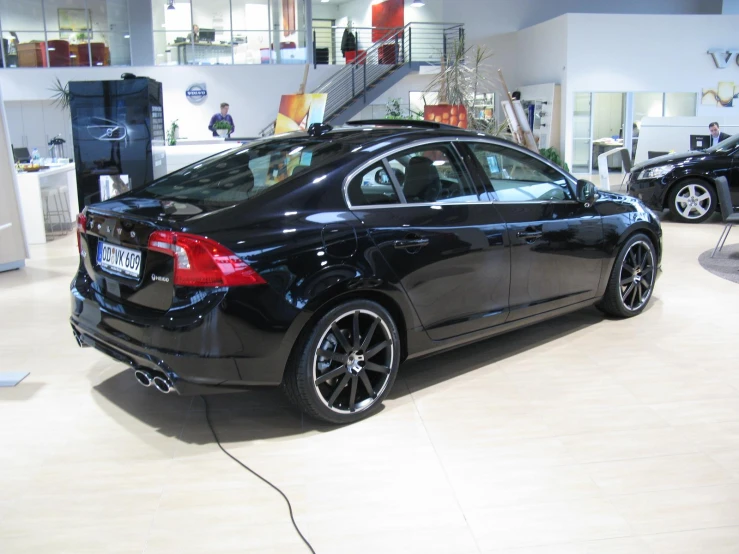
{"x": 119, "y": 259}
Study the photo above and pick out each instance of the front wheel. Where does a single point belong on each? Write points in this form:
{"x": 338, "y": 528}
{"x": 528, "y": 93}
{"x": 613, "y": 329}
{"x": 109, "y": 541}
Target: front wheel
{"x": 632, "y": 279}
{"x": 692, "y": 201}
{"x": 346, "y": 364}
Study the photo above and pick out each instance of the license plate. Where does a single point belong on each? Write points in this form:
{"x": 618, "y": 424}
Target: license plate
{"x": 119, "y": 259}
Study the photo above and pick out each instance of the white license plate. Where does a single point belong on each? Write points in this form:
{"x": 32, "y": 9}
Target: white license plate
{"x": 119, "y": 259}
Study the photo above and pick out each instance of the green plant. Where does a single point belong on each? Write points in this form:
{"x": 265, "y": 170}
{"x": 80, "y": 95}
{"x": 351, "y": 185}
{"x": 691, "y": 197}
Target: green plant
{"x": 222, "y": 124}
{"x": 172, "y": 133}
{"x": 61, "y": 96}
{"x": 393, "y": 109}
{"x": 81, "y": 36}
{"x": 553, "y": 156}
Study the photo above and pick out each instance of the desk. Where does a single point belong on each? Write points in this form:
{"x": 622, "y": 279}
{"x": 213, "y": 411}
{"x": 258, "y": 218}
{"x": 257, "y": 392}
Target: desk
{"x": 30, "y": 186}
{"x": 202, "y": 53}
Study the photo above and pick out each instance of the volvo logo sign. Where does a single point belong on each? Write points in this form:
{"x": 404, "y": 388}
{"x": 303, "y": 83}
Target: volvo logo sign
{"x": 197, "y": 93}
{"x": 723, "y": 56}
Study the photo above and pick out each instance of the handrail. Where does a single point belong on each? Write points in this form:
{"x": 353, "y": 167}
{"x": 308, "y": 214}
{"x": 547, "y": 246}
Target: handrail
{"x": 376, "y": 62}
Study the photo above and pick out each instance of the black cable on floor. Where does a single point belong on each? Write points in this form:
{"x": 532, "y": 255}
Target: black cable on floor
{"x": 227, "y": 453}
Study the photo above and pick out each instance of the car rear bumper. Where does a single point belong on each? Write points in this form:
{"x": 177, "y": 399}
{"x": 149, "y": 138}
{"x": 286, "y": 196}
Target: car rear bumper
{"x": 201, "y": 351}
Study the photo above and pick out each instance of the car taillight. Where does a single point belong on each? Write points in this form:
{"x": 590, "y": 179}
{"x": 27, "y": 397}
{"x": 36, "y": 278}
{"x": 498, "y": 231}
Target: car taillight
{"x": 81, "y": 228}
{"x": 202, "y": 262}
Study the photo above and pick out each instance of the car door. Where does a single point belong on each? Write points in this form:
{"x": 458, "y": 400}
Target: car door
{"x": 448, "y": 249}
{"x": 556, "y": 242}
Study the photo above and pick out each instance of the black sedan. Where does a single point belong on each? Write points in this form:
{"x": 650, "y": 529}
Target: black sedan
{"x": 686, "y": 183}
{"x": 320, "y": 261}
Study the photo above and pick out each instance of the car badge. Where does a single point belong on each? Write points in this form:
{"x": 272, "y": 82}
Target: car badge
{"x": 107, "y": 228}
{"x": 133, "y": 234}
{"x": 119, "y": 231}
{"x": 99, "y": 226}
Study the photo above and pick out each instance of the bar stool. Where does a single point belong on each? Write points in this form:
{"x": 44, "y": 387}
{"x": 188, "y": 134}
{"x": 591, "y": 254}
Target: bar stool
{"x": 56, "y": 209}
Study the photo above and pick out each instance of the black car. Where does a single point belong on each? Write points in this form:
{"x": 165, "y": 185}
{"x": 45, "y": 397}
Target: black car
{"x": 320, "y": 261}
{"x": 686, "y": 183}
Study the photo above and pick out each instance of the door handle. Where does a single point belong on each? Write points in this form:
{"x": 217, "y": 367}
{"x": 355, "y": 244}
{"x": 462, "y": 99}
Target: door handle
{"x": 529, "y": 234}
{"x": 408, "y": 244}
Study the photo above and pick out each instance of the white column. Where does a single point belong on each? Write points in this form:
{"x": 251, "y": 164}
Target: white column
{"x": 13, "y": 248}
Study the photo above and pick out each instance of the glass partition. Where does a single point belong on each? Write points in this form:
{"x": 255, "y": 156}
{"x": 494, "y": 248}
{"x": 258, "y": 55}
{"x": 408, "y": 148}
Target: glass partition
{"x": 582, "y": 132}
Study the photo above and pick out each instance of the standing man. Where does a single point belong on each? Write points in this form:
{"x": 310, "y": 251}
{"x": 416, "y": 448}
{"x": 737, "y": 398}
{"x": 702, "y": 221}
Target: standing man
{"x": 716, "y": 134}
{"x": 222, "y": 116}
{"x": 195, "y": 35}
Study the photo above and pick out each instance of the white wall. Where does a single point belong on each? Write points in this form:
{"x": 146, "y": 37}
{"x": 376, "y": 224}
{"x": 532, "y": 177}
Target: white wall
{"x": 665, "y": 53}
{"x": 253, "y": 91}
{"x": 484, "y": 18}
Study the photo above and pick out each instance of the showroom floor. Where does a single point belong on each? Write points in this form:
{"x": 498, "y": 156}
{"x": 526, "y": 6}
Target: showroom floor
{"x": 581, "y": 435}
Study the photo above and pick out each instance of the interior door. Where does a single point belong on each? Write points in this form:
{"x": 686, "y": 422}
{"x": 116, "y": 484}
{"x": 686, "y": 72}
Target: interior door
{"x": 557, "y": 250}
{"x": 447, "y": 248}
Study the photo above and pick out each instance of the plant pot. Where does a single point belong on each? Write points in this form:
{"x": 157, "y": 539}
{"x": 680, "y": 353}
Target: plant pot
{"x": 222, "y": 132}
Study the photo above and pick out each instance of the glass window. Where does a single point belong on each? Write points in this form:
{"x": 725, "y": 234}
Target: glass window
{"x": 236, "y": 176}
{"x": 373, "y": 186}
{"x": 23, "y": 33}
{"x": 431, "y": 174}
{"x": 517, "y": 177}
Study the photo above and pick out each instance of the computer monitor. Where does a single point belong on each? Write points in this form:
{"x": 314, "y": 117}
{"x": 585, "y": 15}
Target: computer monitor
{"x": 700, "y": 142}
{"x": 21, "y": 155}
{"x": 207, "y": 35}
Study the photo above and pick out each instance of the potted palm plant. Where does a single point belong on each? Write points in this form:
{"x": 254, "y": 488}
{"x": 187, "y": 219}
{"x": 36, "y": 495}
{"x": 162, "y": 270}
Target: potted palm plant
{"x": 223, "y": 128}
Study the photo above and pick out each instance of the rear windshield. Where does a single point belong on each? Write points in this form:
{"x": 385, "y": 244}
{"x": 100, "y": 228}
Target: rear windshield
{"x": 238, "y": 175}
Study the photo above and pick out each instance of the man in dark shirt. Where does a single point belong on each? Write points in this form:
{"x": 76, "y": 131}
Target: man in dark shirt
{"x": 223, "y": 116}
{"x": 716, "y": 134}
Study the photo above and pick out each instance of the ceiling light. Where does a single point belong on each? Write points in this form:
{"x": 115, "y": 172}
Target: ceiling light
{"x": 324, "y": 1}
{"x": 170, "y": 5}
{"x": 417, "y": 4}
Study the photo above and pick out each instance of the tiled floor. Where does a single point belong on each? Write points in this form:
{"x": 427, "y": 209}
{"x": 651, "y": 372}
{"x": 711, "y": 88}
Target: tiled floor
{"x": 582, "y": 435}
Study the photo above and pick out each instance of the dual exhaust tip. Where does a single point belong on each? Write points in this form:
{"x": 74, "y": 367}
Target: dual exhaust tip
{"x": 162, "y": 384}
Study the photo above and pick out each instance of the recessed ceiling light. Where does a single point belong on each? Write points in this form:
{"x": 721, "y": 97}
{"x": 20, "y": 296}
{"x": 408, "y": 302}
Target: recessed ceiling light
{"x": 417, "y": 4}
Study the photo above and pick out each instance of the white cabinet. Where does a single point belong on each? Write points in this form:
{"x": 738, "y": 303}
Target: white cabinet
{"x": 34, "y": 123}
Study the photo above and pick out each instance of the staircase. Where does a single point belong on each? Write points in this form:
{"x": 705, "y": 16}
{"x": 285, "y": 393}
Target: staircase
{"x": 398, "y": 53}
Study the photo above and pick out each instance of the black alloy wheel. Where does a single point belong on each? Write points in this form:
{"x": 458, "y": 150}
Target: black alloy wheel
{"x": 632, "y": 279}
{"x": 347, "y": 365}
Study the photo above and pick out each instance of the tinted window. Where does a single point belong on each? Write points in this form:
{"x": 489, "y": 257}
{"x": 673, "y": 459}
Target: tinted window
{"x": 372, "y": 186}
{"x": 241, "y": 174}
{"x": 431, "y": 174}
{"x": 518, "y": 177}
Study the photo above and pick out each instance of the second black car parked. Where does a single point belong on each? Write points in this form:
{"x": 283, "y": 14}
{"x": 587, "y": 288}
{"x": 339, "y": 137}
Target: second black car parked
{"x": 321, "y": 261}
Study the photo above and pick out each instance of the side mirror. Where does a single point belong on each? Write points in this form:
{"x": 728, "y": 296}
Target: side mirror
{"x": 585, "y": 191}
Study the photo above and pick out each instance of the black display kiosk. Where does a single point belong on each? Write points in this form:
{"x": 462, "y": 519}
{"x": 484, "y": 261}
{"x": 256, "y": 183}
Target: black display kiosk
{"x": 118, "y": 135}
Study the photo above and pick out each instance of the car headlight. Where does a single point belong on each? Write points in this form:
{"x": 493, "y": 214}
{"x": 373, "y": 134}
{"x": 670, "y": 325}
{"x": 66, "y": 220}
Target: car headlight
{"x": 656, "y": 172}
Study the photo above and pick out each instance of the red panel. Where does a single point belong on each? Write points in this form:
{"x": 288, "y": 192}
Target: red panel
{"x": 385, "y": 16}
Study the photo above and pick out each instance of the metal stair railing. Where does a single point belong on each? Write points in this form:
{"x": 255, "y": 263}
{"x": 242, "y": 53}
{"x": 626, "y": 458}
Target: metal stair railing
{"x": 416, "y": 42}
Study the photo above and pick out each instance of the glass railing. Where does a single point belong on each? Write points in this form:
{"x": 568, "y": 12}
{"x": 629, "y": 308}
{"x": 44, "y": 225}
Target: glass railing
{"x": 39, "y": 49}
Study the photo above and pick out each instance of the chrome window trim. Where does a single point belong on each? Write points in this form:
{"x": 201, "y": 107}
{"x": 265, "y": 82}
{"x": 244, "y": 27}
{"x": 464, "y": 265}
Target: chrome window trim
{"x": 448, "y": 141}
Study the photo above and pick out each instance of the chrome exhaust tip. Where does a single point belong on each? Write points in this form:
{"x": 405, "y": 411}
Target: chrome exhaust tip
{"x": 143, "y": 377}
{"x": 163, "y": 385}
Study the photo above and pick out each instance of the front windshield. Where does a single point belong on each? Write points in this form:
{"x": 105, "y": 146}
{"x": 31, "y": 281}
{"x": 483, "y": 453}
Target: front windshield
{"x": 725, "y": 146}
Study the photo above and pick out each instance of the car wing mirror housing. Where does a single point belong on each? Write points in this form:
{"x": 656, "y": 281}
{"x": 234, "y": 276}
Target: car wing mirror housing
{"x": 586, "y": 192}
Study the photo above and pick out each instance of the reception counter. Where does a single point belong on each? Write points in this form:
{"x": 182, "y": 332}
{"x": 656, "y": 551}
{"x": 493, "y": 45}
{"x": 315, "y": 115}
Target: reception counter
{"x": 190, "y": 151}
{"x": 41, "y": 190}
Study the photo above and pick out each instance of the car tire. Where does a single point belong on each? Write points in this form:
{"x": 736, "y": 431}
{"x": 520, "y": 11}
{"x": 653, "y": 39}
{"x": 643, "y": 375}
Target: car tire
{"x": 344, "y": 366}
{"x": 692, "y": 201}
{"x": 633, "y": 276}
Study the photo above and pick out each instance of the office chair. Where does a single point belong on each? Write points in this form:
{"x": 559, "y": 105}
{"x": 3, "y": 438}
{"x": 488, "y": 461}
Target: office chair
{"x": 727, "y": 212}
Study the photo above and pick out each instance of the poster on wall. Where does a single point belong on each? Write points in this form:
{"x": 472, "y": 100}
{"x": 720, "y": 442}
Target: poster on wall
{"x": 386, "y": 16}
{"x": 299, "y": 111}
{"x": 74, "y": 19}
{"x": 446, "y": 114}
{"x": 722, "y": 96}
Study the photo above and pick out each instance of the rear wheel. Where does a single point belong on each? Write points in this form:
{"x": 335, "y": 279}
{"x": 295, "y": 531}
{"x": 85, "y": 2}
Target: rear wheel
{"x": 346, "y": 365}
{"x": 692, "y": 201}
{"x": 632, "y": 279}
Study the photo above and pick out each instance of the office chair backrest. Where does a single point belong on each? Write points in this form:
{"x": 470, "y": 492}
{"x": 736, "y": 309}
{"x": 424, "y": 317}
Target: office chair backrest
{"x": 724, "y": 197}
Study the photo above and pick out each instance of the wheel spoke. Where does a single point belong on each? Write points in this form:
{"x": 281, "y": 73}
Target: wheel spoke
{"x": 644, "y": 258}
{"x": 355, "y": 330}
{"x": 367, "y": 384}
{"x": 691, "y": 188}
{"x": 626, "y": 281}
{"x": 333, "y": 356}
{"x": 638, "y": 291}
{"x": 647, "y": 271}
{"x": 341, "y": 338}
{"x": 376, "y": 350}
{"x": 369, "y": 366}
{"x": 700, "y": 209}
{"x": 628, "y": 268}
{"x": 338, "y": 390}
{"x": 704, "y": 196}
{"x": 625, "y": 295}
{"x": 330, "y": 375}
{"x": 370, "y": 334}
{"x": 353, "y": 393}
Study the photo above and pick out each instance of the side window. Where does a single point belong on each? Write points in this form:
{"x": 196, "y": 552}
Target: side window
{"x": 518, "y": 177}
{"x": 431, "y": 174}
{"x": 371, "y": 187}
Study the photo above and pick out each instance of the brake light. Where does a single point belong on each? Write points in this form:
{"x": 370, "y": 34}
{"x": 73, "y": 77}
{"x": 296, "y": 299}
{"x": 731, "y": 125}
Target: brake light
{"x": 202, "y": 262}
{"x": 81, "y": 228}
